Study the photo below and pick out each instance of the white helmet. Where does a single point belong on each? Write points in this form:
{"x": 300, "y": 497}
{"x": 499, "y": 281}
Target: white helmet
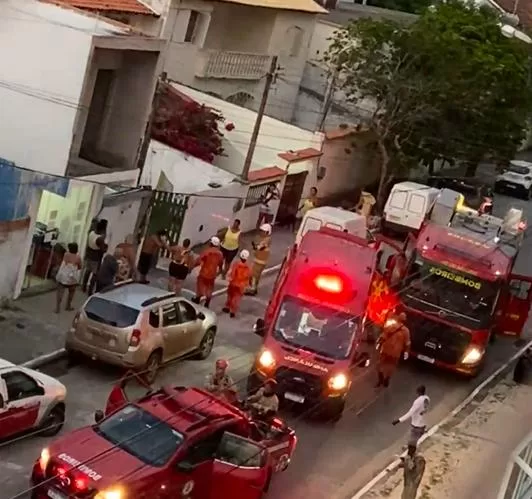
{"x": 215, "y": 241}
{"x": 266, "y": 228}
{"x": 244, "y": 254}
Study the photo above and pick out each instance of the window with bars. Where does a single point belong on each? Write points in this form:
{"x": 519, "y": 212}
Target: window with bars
{"x": 257, "y": 192}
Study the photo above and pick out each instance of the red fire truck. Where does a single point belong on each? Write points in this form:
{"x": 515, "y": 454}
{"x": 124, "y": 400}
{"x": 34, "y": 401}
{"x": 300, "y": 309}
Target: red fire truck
{"x": 315, "y": 336}
{"x": 459, "y": 290}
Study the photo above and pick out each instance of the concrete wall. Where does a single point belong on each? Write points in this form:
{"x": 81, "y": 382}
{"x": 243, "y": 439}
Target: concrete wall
{"x": 13, "y": 237}
{"x": 347, "y": 170}
{"x": 42, "y": 81}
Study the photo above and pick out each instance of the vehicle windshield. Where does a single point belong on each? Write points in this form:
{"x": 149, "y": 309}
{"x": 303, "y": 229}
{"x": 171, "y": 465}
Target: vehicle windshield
{"x": 521, "y": 170}
{"x": 316, "y": 328}
{"x": 457, "y": 296}
{"x": 141, "y": 434}
{"x": 110, "y": 313}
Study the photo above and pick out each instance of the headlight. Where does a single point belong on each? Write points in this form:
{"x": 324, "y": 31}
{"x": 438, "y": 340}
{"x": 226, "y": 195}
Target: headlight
{"x": 110, "y": 494}
{"x": 473, "y": 356}
{"x": 266, "y": 359}
{"x": 43, "y": 460}
{"x": 338, "y": 382}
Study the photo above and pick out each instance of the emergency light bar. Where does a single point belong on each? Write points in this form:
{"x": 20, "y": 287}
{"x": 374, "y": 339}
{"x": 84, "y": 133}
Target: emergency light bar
{"x": 329, "y": 283}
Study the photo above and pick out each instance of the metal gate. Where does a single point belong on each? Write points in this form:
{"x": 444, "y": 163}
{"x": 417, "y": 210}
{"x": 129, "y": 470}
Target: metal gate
{"x": 291, "y": 196}
{"x": 167, "y": 211}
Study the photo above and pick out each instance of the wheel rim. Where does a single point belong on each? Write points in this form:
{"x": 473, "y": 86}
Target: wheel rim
{"x": 207, "y": 344}
{"x": 55, "y": 419}
{"x": 153, "y": 366}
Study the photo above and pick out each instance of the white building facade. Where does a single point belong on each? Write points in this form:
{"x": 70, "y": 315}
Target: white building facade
{"x": 225, "y": 48}
{"x": 76, "y": 92}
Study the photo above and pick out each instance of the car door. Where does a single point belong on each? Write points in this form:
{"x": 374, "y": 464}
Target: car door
{"x": 191, "y": 325}
{"x": 516, "y": 306}
{"x": 24, "y": 399}
{"x": 240, "y": 469}
{"x": 173, "y": 338}
{"x": 131, "y": 387}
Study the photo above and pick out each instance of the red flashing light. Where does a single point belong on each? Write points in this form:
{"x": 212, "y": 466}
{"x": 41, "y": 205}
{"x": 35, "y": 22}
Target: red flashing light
{"x": 80, "y": 484}
{"x": 329, "y": 283}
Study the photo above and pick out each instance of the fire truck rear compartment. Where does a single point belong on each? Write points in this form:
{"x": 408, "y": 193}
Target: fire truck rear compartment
{"x": 436, "y": 340}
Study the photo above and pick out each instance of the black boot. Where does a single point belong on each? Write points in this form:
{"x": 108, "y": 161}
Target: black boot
{"x": 386, "y": 382}
{"x": 207, "y": 303}
{"x": 225, "y": 310}
{"x": 196, "y": 299}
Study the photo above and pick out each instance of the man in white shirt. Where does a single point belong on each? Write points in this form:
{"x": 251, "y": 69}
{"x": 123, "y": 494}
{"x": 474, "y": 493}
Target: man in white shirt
{"x": 416, "y": 414}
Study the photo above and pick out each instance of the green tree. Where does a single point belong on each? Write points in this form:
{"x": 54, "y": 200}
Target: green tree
{"x": 448, "y": 86}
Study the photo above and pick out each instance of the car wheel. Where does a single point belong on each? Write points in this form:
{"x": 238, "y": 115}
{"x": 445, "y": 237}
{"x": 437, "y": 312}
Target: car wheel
{"x": 152, "y": 366}
{"x": 54, "y": 421}
{"x": 207, "y": 344}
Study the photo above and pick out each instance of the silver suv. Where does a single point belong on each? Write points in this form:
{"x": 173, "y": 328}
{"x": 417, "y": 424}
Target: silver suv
{"x": 140, "y": 327}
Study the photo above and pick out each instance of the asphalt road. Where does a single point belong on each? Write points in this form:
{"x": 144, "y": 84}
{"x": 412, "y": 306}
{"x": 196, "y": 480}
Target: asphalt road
{"x": 331, "y": 461}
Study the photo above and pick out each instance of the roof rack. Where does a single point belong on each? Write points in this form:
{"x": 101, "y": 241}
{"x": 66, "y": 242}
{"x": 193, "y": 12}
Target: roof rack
{"x": 117, "y": 285}
{"x": 157, "y": 299}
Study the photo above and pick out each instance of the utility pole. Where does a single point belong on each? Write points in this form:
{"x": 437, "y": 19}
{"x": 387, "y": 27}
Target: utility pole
{"x": 327, "y": 100}
{"x": 260, "y": 114}
{"x": 145, "y": 145}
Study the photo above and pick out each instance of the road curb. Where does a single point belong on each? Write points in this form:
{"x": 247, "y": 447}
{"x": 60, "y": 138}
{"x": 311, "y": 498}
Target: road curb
{"x": 45, "y": 359}
{"x": 392, "y": 467}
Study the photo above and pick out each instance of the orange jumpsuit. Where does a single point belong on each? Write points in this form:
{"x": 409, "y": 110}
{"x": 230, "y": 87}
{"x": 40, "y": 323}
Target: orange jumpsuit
{"x": 238, "y": 282}
{"x": 394, "y": 341}
{"x": 211, "y": 264}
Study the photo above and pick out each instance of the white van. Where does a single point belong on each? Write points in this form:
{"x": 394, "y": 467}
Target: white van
{"x": 333, "y": 218}
{"x": 407, "y": 206}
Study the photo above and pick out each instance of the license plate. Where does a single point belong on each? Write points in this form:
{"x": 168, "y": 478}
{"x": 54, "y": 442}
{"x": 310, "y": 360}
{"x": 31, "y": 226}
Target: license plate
{"x": 56, "y": 495}
{"x": 294, "y": 397}
{"x": 394, "y": 217}
{"x": 424, "y": 358}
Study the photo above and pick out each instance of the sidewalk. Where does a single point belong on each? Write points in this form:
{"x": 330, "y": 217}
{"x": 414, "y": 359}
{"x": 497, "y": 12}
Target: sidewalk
{"x": 32, "y": 328}
{"x": 468, "y": 459}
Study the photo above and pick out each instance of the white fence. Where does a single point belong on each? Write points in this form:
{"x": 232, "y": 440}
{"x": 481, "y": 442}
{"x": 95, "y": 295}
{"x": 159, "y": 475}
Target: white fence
{"x": 517, "y": 483}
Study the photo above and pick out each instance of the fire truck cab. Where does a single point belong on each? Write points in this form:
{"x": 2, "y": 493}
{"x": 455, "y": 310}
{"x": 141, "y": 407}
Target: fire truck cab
{"x": 459, "y": 289}
{"x": 314, "y": 329}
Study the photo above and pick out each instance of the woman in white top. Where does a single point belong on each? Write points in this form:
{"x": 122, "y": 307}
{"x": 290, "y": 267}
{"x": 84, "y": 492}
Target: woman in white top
{"x": 67, "y": 277}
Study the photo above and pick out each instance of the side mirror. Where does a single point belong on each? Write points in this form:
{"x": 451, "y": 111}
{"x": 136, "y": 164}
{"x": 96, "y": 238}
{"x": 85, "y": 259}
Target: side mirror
{"x": 98, "y": 416}
{"x": 184, "y": 467}
{"x": 201, "y": 316}
{"x": 259, "y": 327}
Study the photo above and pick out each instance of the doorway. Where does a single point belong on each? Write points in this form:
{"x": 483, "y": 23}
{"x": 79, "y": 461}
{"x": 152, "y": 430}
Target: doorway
{"x": 59, "y": 221}
{"x": 291, "y": 196}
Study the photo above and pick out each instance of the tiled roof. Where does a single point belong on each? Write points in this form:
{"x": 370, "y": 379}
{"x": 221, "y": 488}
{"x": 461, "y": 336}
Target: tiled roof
{"x": 267, "y": 173}
{"x": 309, "y": 6}
{"x": 349, "y": 11}
{"x": 122, "y": 6}
{"x": 301, "y": 155}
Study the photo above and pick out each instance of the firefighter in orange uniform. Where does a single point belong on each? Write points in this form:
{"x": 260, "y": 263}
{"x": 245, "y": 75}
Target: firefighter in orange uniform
{"x": 262, "y": 249}
{"x": 240, "y": 275}
{"x": 393, "y": 343}
{"x": 210, "y": 262}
